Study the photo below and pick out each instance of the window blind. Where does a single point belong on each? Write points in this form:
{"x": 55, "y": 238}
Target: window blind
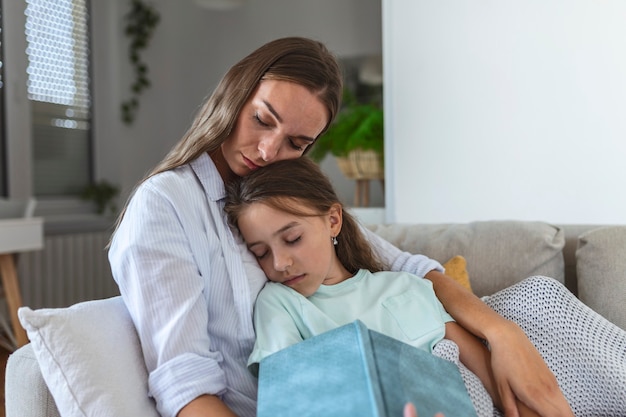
{"x": 57, "y": 35}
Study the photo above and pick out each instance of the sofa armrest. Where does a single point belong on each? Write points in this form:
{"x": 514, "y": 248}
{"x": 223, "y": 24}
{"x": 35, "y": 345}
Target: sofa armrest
{"x": 26, "y": 393}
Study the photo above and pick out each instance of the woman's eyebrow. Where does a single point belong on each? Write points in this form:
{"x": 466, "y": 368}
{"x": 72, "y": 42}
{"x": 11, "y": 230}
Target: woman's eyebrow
{"x": 273, "y": 111}
{"x": 280, "y": 119}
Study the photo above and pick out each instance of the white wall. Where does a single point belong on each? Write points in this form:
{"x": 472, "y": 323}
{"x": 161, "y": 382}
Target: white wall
{"x": 191, "y": 50}
{"x": 505, "y": 110}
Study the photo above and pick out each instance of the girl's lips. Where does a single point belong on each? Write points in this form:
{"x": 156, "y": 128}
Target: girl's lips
{"x": 294, "y": 280}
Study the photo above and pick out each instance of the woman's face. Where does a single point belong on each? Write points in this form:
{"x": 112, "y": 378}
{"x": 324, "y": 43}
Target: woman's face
{"x": 296, "y": 251}
{"x": 279, "y": 121}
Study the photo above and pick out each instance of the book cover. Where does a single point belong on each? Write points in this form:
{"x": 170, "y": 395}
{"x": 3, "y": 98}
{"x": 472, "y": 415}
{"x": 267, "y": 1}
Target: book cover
{"x": 354, "y": 371}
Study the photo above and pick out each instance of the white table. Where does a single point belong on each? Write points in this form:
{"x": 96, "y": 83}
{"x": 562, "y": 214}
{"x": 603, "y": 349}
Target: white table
{"x": 17, "y": 235}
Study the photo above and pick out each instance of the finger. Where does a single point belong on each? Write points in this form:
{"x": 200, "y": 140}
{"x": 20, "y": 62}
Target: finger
{"x": 509, "y": 404}
{"x": 409, "y": 410}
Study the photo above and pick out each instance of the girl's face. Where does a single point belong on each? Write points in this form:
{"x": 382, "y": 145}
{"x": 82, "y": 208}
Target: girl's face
{"x": 296, "y": 251}
{"x": 279, "y": 121}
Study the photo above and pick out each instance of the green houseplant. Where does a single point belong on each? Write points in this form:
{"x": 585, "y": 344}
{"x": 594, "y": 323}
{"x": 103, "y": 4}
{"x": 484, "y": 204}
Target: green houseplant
{"x": 356, "y": 139}
{"x": 357, "y": 126}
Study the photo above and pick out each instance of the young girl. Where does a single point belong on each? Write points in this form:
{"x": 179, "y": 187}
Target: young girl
{"x": 324, "y": 274}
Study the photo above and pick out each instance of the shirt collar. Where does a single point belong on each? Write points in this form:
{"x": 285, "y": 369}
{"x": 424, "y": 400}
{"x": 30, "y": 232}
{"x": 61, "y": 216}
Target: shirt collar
{"x": 209, "y": 177}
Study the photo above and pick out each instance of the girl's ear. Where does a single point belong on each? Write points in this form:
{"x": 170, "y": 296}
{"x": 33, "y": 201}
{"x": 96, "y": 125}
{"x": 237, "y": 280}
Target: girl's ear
{"x": 335, "y": 215}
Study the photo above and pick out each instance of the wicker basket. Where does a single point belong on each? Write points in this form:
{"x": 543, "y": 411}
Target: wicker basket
{"x": 362, "y": 165}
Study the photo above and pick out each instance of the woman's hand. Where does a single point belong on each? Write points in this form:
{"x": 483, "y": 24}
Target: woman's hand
{"x": 518, "y": 368}
{"x": 520, "y": 372}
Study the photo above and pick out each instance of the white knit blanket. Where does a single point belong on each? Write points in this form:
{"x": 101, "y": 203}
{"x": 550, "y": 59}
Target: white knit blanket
{"x": 586, "y": 352}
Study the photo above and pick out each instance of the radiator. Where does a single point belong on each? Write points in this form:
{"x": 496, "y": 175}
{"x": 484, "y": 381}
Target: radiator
{"x": 70, "y": 268}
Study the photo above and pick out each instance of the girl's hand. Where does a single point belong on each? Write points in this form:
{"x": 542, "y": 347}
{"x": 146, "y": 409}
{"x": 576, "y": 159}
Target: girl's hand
{"x": 409, "y": 411}
{"x": 520, "y": 372}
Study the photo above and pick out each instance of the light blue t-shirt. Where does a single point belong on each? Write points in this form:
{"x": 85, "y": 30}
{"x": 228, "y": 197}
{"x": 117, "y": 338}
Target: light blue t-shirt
{"x": 398, "y": 304}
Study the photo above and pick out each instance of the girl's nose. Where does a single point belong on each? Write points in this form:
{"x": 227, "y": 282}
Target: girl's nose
{"x": 282, "y": 262}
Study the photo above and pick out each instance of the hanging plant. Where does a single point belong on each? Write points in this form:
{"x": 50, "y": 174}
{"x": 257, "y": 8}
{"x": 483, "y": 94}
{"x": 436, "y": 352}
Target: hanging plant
{"x": 141, "y": 22}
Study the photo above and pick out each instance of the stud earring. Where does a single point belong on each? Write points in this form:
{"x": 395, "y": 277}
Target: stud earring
{"x": 334, "y": 239}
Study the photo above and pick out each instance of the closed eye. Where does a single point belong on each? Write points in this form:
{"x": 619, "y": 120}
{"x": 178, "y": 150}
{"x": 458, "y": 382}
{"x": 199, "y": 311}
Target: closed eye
{"x": 259, "y": 121}
{"x": 292, "y": 142}
{"x": 295, "y": 146}
{"x": 259, "y": 255}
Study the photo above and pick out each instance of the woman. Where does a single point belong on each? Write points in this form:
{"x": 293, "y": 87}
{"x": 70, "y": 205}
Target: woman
{"x": 189, "y": 283}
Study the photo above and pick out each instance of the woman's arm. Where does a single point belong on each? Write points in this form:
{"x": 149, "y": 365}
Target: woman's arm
{"x": 518, "y": 369}
{"x": 162, "y": 288}
{"x": 476, "y": 357}
{"x": 206, "y": 406}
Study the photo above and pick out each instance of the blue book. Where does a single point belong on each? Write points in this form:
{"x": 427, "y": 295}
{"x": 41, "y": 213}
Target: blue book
{"x": 354, "y": 371}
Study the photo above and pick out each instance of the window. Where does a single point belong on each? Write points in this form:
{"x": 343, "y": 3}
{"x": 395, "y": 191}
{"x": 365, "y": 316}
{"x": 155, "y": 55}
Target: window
{"x": 45, "y": 109}
{"x": 57, "y": 36}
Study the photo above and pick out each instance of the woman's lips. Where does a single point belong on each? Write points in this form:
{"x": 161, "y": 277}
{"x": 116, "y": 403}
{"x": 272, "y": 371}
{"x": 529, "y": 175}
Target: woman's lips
{"x": 251, "y": 165}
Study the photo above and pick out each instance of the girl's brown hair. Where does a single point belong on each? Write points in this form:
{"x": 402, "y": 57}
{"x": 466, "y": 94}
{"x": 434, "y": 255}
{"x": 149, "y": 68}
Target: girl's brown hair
{"x": 284, "y": 183}
{"x": 295, "y": 59}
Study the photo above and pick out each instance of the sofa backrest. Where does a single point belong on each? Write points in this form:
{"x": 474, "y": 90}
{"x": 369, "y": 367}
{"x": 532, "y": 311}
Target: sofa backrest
{"x": 499, "y": 253}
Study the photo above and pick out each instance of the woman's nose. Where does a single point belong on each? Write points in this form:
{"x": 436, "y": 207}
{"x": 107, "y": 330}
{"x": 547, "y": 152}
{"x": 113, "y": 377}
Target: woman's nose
{"x": 269, "y": 147}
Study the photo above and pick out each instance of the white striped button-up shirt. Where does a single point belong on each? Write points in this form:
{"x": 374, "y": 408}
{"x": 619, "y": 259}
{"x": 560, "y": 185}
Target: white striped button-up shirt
{"x": 190, "y": 286}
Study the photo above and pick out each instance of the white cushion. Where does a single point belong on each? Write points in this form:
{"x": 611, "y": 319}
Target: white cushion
{"x": 90, "y": 358}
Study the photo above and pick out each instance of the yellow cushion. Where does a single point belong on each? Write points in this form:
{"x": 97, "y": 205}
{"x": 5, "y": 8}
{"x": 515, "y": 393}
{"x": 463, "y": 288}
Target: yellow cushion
{"x": 456, "y": 268}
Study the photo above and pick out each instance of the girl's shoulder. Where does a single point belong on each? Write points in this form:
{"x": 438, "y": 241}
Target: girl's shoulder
{"x": 403, "y": 277}
{"x": 275, "y": 289}
{"x": 396, "y": 275}
{"x": 278, "y": 296}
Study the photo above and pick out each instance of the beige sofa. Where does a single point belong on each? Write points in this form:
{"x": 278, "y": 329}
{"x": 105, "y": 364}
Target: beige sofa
{"x": 86, "y": 360}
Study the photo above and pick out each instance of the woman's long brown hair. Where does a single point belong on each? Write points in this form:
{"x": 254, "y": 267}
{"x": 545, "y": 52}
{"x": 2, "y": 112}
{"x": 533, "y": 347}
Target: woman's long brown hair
{"x": 299, "y": 60}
